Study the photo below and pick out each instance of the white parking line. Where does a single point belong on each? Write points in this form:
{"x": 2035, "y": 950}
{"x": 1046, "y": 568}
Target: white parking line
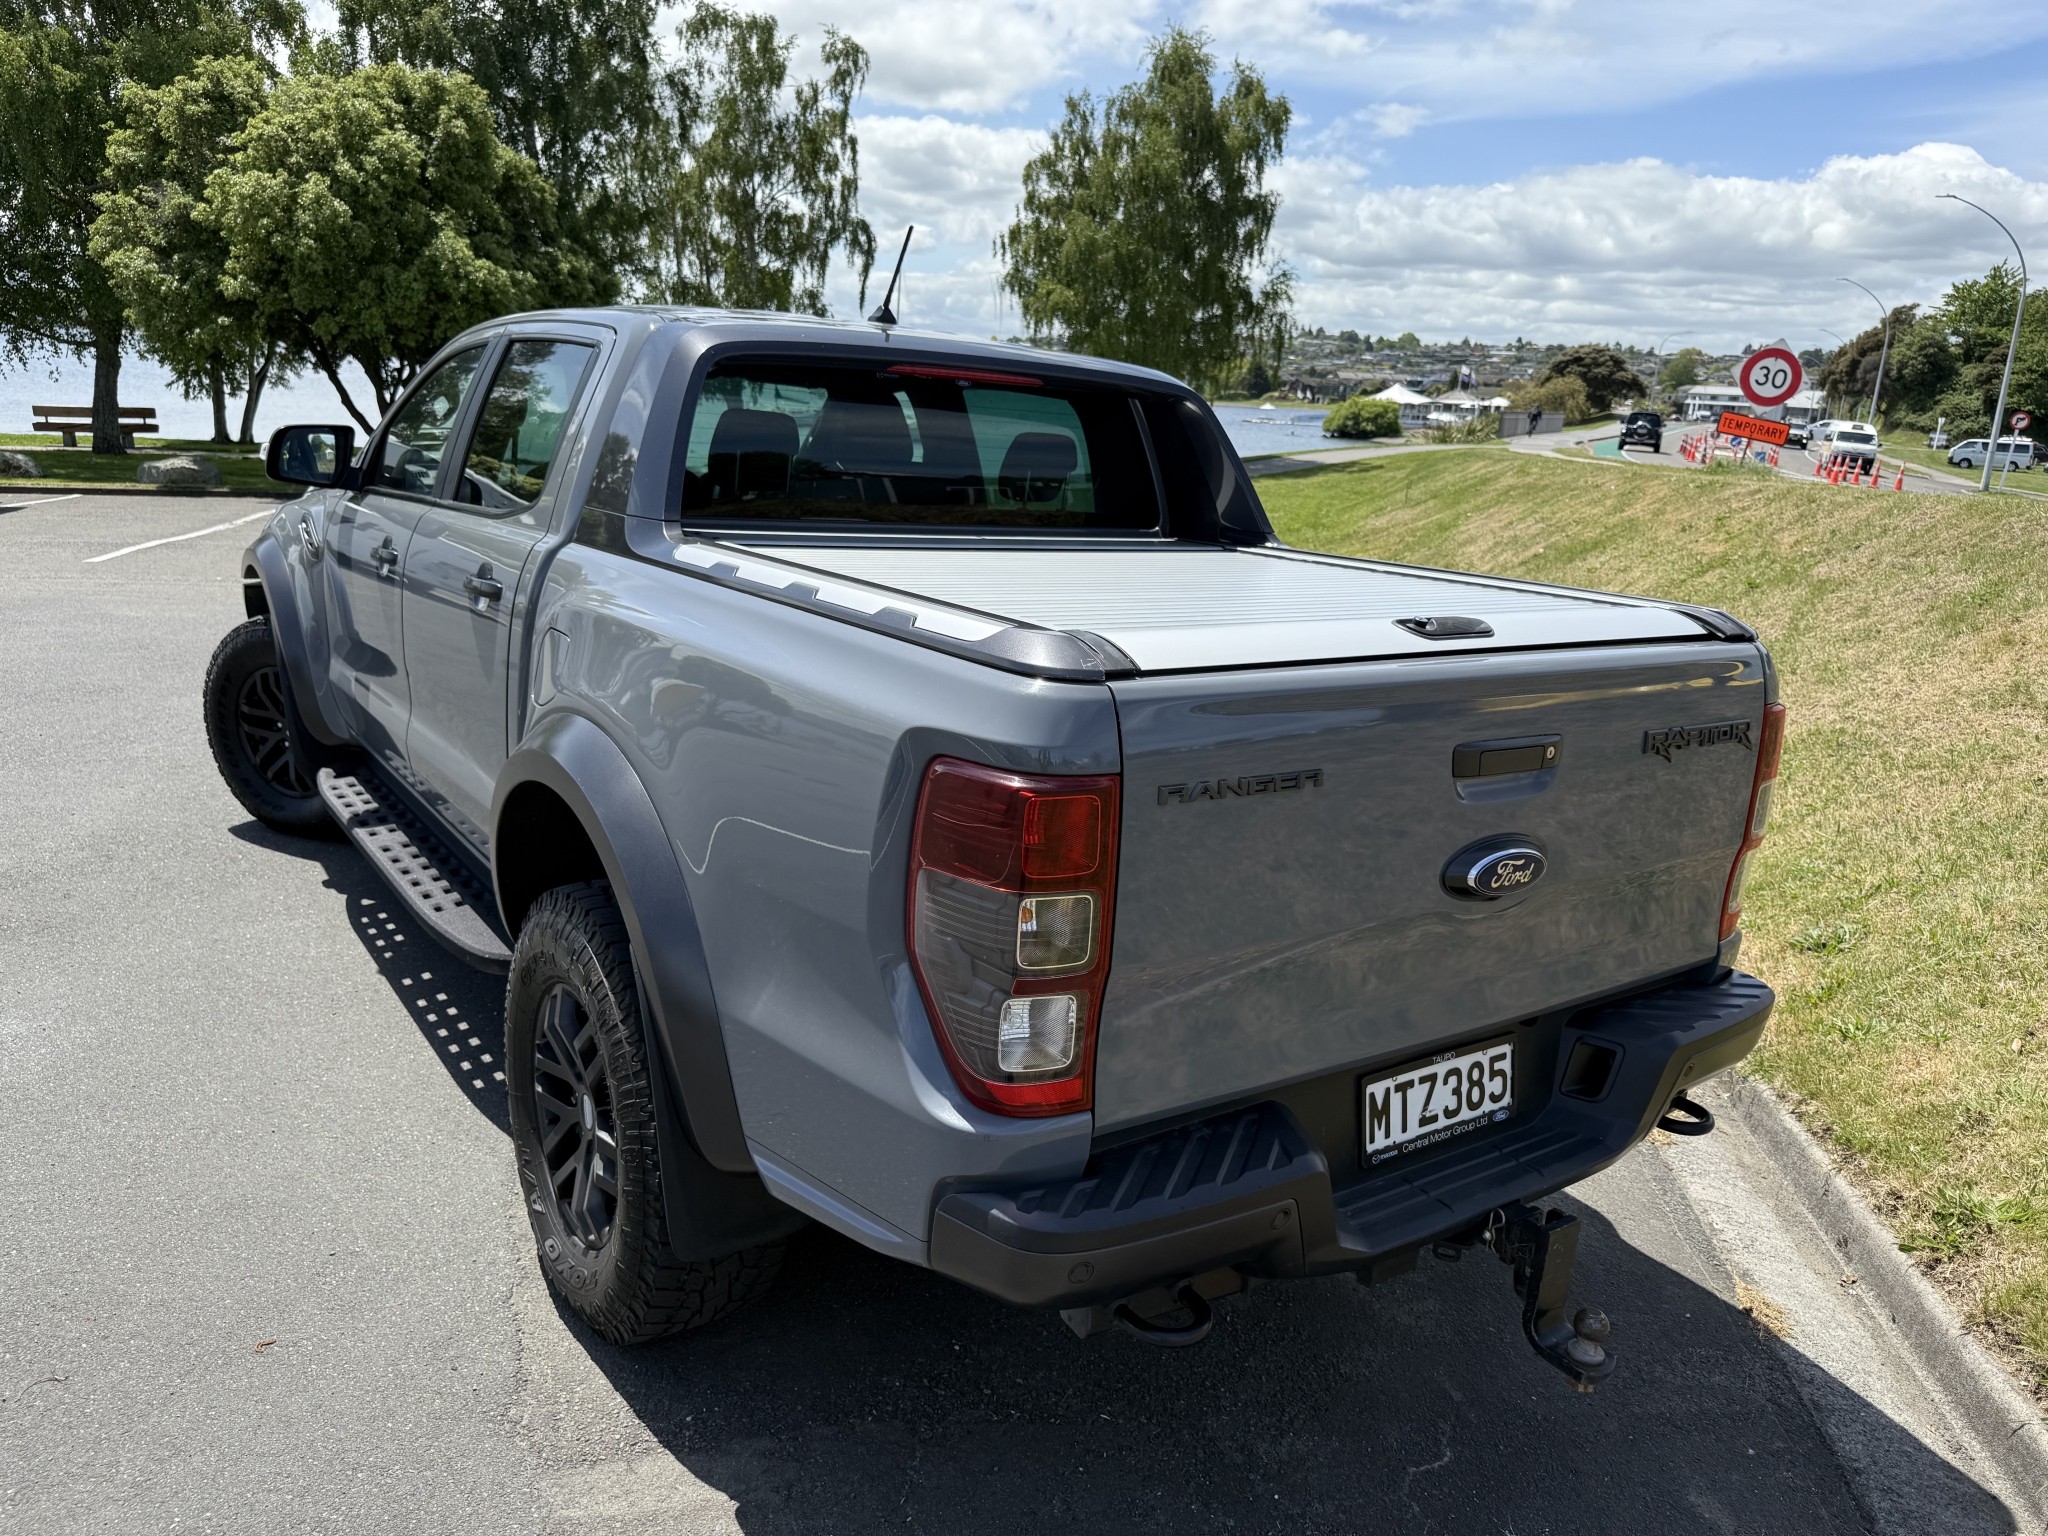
{"x": 16, "y": 506}
{"x": 196, "y": 533}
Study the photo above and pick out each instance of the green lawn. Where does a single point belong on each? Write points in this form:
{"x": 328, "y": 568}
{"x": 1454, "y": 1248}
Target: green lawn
{"x": 1900, "y": 906}
{"x": 50, "y": 441}
{"x": 74, "y": 471}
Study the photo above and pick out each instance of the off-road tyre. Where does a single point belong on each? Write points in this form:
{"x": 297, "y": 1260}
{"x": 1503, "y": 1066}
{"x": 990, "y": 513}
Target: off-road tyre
{"x": 246, "y": 706}
{"x": 628, "y": 1283}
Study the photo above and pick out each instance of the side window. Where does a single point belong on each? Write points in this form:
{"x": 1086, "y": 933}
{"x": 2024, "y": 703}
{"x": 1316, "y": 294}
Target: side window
{"x": 519, "y": 428}
{"x": 409, "y": 458}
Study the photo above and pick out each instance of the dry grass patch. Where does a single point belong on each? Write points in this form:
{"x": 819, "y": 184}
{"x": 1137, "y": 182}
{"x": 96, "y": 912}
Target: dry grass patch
{"x": 1900, "y": 906}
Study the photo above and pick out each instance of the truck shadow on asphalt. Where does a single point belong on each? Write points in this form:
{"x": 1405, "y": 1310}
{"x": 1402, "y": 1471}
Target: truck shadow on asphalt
{"x": 862, "y": 1394}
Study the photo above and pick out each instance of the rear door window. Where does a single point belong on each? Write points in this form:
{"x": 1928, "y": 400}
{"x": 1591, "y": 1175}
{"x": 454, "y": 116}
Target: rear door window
{"x": 914, "y": 445}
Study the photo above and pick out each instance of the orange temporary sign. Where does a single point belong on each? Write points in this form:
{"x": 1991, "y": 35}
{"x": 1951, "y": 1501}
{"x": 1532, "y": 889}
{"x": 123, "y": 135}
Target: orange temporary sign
{"x": 1755, "y": 428}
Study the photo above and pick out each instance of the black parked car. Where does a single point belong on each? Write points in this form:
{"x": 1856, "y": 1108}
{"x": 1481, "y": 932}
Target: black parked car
{"x": 1797, "y": 434}
{"x": 1643, "y": 427}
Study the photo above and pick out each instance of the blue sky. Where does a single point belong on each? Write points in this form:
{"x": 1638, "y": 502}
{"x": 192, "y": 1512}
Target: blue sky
{"x": 1550, "y": 168}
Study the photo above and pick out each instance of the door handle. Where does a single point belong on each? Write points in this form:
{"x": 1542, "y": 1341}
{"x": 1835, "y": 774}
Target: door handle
{"x": 482, "y": 585}
{"x": 385, "y": 557}
{"x": 308, "y": 541}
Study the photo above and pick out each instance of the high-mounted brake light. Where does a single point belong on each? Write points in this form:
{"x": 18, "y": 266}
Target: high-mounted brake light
{"x": 1012, "y": 880}
{"x": 961, "y": 375}
{"x": 1769, "y": 743}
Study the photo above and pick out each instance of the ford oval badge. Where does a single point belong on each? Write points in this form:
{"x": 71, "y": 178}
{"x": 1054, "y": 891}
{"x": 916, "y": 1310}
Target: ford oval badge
{"x": 1494, "y": 870}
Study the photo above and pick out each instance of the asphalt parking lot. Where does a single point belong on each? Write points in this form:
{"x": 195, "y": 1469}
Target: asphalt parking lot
{"x": 265, "y": 1269}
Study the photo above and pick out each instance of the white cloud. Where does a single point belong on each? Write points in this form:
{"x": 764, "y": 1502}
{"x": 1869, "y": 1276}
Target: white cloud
{"x": 1621, "y": 249}
{"x": 1471, "y": 59}
{"x": 1395, "y": 120}
{"x": 969, "y": 55}
{"x": 958, "y": 182}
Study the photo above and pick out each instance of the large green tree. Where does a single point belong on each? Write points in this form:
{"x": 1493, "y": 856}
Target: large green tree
{"x": 1850, "y": 373}
{"x": 1603, "y": 370}
{"x": 572, "y": 85}
{"x": 1978, "y": 315}
{"x": 64, "y": 67}
{"x": 752, "y": 185}
{"x": 158, "y": 242}
{"x": 370, "y": 216}
{"x": 1145, "y": 228}
{"x": 1687, "y": 366}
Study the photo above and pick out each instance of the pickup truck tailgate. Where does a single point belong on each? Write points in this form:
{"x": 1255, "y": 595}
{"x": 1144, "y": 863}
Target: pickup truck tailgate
{"x": 1281, "y": 911}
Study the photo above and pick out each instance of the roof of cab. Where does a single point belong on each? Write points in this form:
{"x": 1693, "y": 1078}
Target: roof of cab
{"x": 768, "y": 324}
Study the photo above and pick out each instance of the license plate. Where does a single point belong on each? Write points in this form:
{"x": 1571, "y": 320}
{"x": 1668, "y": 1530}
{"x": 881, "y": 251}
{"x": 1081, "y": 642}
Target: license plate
{"x": 1429, "y": 1101}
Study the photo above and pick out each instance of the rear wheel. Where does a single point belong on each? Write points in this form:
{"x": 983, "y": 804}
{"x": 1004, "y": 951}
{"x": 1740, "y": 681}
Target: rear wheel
{"x": 246, "y": 711}
{"x": 584, "y": 1131}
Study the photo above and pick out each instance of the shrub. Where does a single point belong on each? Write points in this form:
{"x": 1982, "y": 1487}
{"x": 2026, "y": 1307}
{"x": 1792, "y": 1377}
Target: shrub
{"x": 1566, "y": 395}
{"x": 1483, "y": 428}
{"x": 1359, "y": 417}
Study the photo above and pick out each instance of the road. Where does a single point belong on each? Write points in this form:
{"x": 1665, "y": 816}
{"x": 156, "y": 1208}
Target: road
{"x": 265, "y": 1270}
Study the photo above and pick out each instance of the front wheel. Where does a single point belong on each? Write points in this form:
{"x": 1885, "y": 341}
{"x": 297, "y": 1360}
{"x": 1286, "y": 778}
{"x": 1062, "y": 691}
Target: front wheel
{"x": 583, "y": 1114}
{"x": 246, "y": 710}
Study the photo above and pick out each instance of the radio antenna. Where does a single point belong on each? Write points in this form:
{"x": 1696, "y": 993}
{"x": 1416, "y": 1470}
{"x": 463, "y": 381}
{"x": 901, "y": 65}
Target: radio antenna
{"x": 883, "y": 314}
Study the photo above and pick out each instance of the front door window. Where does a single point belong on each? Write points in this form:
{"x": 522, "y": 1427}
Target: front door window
{"x": 409, "y": 459}
{"x": 519, "y": 427}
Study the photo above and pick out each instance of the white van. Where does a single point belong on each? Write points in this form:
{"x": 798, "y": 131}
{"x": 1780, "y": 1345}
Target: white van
{"x": 2013, "y": 453}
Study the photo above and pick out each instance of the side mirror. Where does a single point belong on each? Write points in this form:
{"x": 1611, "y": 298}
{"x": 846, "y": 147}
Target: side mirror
{"x": 310, "y": 455}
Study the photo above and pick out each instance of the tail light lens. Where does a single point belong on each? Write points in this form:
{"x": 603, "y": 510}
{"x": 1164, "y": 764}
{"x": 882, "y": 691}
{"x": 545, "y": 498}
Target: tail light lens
{"x": 1012, "y": 879}
{"x": 1769, "y": 743}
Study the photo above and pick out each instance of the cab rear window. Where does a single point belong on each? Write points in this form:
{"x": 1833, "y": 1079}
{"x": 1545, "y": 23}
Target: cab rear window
{"x": 915, "y": 445}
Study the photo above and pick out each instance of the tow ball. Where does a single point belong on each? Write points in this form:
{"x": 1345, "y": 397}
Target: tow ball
{"x": 1543, "y": 1247}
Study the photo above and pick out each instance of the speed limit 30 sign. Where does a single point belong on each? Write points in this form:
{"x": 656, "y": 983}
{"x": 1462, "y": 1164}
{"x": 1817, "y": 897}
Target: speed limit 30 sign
{"x": 1770, "y": 377}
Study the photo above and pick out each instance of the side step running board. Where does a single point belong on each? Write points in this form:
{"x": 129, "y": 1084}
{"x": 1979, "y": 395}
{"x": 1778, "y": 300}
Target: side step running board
{"x": 432, "y": 880}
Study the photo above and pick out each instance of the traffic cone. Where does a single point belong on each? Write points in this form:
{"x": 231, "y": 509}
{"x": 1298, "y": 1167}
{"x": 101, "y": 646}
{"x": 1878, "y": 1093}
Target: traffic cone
{"x": 1819, "y": 468}
{"x": 1900, "y": 483}
{"x": 1834, "y": 471}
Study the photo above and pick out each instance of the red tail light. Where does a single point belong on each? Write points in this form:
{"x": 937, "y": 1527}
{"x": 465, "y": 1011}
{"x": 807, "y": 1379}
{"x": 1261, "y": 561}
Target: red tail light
{"x": 1012, "y": 879}
{"x": 1769, "y": 742}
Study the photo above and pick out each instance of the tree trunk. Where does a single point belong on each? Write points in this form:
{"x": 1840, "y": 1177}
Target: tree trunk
{"x": 327, "y": 366}
{"x": 257, "y": 379}
{"x": 217, "y": 387}
{"x": 106, "y": 390}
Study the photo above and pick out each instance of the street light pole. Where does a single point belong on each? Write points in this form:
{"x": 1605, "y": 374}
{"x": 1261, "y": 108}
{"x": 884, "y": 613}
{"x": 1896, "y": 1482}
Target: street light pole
{"x": 1658, "y": 351}
{"x": 2005, "y": 380}
{"x": 1885, "y": 318}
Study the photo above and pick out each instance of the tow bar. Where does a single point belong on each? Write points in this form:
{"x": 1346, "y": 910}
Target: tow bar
{"x": 1543, "y": 1246}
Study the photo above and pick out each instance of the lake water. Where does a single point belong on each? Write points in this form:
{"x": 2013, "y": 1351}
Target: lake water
{"x": 1254, "y": 431}
{"x": 311, "y": 398}
{"x": 69, "y": 382}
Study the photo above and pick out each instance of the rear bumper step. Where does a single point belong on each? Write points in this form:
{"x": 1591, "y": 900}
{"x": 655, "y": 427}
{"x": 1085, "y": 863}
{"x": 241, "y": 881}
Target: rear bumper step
{"x": 1249, "y": 1191}
{"x": 430, "y": 878}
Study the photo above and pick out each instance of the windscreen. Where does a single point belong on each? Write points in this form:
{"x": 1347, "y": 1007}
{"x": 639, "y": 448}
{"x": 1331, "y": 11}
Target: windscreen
{"x": 917, "y": 445}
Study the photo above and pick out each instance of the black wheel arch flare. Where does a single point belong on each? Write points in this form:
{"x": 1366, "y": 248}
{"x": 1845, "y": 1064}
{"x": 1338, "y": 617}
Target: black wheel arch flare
{"x": 569, "y": 762}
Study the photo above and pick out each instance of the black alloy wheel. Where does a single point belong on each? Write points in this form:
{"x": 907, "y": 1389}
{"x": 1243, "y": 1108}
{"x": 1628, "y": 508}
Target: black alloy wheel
{"x": 586, "y": 1134}
{"x": 248, "y": 710}
{"x": 259, "y": 721}
{"x": 572, "y": 1107}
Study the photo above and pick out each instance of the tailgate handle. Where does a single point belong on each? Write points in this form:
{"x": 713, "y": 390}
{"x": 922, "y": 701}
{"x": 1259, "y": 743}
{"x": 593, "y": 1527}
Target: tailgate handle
{"x": 1516, "y": 754}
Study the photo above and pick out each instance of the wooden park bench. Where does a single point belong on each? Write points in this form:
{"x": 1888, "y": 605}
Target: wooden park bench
{"x": 74, "y": 419}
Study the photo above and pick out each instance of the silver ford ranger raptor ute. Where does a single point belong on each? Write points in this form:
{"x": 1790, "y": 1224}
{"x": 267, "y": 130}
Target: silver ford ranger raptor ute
{"x": 908, "y": 787}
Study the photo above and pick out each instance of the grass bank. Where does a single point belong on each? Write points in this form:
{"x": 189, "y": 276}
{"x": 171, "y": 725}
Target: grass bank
{"x": 73, "y": 471}
{"x": 1900, "y": 906}
{"x": 50, "y": 442}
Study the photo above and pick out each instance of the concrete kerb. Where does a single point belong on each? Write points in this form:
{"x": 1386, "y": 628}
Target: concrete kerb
{"x": 2011, "y": 1429}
